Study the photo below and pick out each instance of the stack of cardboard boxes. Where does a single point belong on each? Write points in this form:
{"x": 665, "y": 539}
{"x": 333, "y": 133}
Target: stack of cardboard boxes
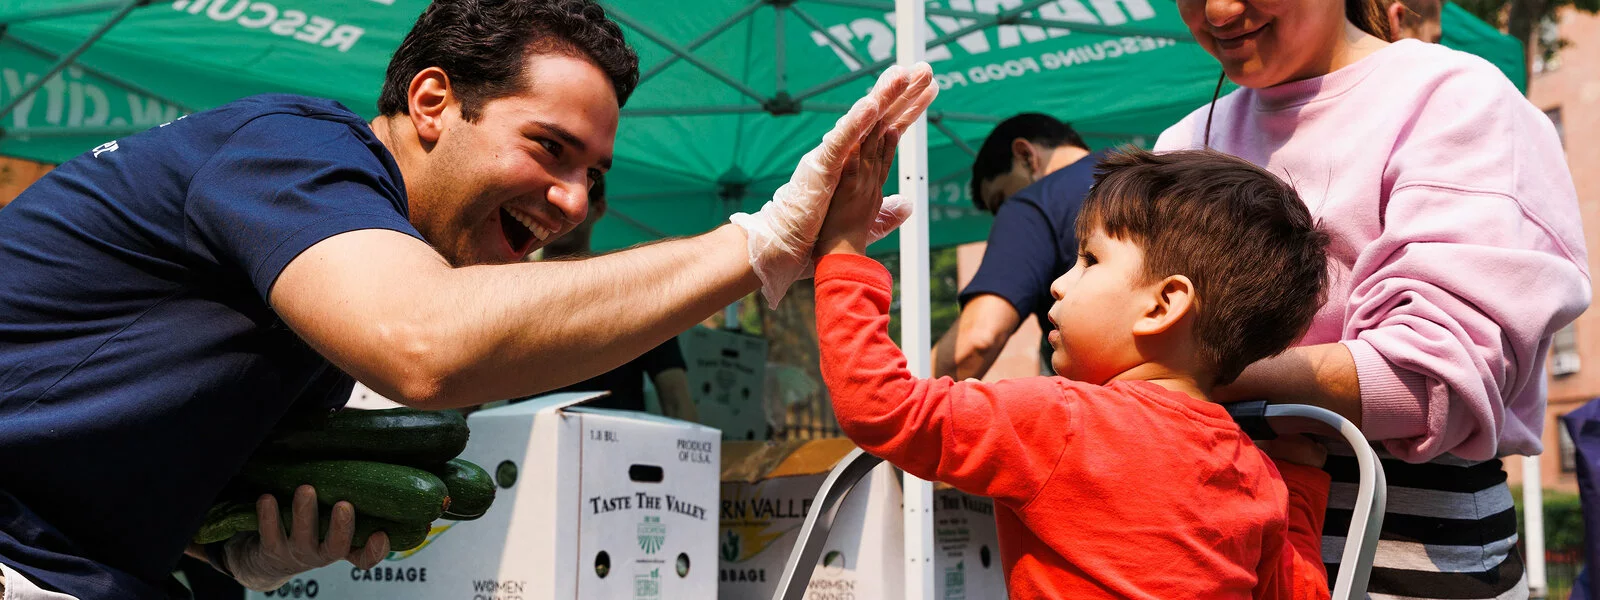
{"x": 593, "y": 504}
{"x": 601, "y": 504}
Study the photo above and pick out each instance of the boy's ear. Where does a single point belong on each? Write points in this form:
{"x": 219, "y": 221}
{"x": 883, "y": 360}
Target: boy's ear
{"x": 1172, "y": 299}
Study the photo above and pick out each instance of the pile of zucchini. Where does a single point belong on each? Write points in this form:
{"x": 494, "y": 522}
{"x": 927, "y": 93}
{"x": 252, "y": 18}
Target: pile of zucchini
{"x": 397, "y": 467}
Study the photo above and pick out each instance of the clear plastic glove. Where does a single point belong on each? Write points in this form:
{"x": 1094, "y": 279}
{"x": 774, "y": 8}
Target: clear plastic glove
{"x": 266, "y": 560}
{"x": 782, "y": 233}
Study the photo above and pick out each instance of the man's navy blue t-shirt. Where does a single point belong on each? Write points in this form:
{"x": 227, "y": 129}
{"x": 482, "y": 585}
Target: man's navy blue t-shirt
{"x": 1034, "y": 241}
{"x": 140, "y": 363}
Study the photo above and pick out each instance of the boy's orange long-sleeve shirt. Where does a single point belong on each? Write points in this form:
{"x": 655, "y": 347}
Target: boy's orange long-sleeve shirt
{"x": 1126, "y": 490}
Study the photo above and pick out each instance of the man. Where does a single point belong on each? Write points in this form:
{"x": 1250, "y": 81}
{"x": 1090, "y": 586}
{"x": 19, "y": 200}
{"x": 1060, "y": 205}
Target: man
{"x": 167, "y": 299}
{"x": 1415, "y": 19}
{"x": 663, "y": 364}
{"x": 1032, "y": 172}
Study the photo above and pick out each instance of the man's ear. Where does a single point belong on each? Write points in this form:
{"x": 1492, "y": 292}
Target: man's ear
{"x": 1169, "y": 302}
{"x": 429, "y": 99}
{"x": 1023, "y": 152}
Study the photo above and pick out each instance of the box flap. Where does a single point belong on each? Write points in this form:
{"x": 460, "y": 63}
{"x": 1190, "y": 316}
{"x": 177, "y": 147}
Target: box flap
{"x": 640, "y": 416}
{"x": 749, "y": 462}
{"x": 538, "y": 404}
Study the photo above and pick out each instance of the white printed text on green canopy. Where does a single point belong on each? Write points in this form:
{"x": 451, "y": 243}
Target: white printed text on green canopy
{"x": 734, "y": 91}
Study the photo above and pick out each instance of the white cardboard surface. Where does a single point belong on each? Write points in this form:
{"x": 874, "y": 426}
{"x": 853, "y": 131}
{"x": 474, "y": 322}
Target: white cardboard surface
{"x": 572, "y": 499}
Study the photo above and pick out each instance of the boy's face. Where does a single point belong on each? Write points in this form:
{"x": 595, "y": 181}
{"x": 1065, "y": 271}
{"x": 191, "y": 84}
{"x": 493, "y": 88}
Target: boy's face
{"x": 1097, "y": 303}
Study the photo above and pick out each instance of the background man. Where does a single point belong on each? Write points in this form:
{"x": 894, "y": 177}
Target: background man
{"x": 1032, "y": 172}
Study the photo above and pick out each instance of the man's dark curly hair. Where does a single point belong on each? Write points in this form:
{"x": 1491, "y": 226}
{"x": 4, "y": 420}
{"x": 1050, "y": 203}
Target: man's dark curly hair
{"x": 483, "y": 46}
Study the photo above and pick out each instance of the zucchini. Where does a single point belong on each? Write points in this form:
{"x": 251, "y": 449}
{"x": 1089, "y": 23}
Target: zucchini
{"x": 471, "y": 489}
{"x": 392, "y": 492}
{"x": 402, "y": 536}
{"x": 225, "y": 519}
{"x": 402, "y": 436}
{"x": 228, "y": 519}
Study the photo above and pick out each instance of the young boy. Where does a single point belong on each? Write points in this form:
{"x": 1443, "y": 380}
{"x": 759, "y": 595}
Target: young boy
{"x": 1119, "y": 478}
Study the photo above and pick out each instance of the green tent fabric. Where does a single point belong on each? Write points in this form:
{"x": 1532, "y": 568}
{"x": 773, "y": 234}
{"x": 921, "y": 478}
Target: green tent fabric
{"x": 734, "y": 90}
{"x": 1463, "y": 31}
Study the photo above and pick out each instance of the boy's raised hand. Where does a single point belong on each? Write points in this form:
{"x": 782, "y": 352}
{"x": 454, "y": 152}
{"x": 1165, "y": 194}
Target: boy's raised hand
{"x": 783, "y": 232}
{"x": 859, "y": 199}
{"x": 859, "y": 214}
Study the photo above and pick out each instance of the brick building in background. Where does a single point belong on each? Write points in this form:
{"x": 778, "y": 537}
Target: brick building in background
{"x": 1568, "y": 90}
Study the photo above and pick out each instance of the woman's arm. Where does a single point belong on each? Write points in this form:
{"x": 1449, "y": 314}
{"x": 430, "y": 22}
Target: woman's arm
{"x": 1322, "y": 375}
{"x": 1476, "y": 260}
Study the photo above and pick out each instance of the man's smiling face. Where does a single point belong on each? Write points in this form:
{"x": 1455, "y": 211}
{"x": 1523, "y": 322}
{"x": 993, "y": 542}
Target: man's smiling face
{"x": 503, "y": 185}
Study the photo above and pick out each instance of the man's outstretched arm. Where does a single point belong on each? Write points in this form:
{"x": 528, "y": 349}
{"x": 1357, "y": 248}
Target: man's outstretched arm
{"x": 389, "y": 310}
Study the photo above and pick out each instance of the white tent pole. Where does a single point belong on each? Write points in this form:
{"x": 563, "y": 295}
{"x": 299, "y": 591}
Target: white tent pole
{"x": 915, "y": 334}
{"x": 1533, "y": 519}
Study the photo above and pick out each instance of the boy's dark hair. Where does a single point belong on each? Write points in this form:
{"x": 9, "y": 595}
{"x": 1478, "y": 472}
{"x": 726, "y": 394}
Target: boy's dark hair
{"x": 483, "y": 46}
{"x": 1241, "y": 235}
{"x": 994, "y": 156}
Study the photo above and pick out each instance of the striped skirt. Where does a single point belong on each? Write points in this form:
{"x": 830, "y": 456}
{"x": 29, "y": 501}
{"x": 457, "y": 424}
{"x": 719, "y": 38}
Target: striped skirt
{"x": 1450, "y": 530}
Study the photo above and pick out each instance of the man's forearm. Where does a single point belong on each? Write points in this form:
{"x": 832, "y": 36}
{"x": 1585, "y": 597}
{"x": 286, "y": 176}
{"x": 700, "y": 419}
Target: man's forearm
{"x": 973, "y": 361}
{"x": 944, "y": 353}
{"x": 551, "y": 324}
{"x": 957, "y": 356}
{"x": 425, "y": 334}
{"x": 979, "y": 335}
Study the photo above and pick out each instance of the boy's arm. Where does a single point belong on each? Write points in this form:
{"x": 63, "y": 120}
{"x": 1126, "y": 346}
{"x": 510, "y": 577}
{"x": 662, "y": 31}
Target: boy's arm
{"x": 1295, "y": 570}
{"x": 1001, "y": 440}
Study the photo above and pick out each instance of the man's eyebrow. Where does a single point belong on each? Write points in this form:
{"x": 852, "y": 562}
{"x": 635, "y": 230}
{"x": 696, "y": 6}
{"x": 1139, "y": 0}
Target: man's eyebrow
{"x": 571, "y": 140}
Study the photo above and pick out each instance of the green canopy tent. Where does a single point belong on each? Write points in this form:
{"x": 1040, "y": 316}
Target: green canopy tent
{"x": 733, "y": 92}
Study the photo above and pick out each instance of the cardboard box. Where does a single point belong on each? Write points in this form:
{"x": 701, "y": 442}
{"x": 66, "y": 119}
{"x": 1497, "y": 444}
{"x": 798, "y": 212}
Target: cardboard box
{"x": 966, "y": 547}
{"x": 727, "y": 377}
{"x": 766, "y": 491}
{"x": 593, "y": 504}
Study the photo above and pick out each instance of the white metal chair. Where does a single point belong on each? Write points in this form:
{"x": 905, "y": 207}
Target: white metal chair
{"x": 1253, "y": 416}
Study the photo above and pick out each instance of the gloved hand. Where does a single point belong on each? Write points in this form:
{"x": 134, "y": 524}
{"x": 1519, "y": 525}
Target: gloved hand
{"x": 859, "y": 215}
{"x": 266, "y": 560}
{"x": 782, "y": 233}
{"x": 920, "y": 94}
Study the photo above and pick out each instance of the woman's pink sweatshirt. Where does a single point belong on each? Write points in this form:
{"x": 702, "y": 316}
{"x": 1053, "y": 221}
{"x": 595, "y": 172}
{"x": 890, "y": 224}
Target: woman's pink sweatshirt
{"x": 1457, "y": 246}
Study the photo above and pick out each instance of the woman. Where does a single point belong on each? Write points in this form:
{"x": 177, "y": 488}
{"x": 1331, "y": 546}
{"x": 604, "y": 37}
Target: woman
{"x": 1457, "y": 253}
